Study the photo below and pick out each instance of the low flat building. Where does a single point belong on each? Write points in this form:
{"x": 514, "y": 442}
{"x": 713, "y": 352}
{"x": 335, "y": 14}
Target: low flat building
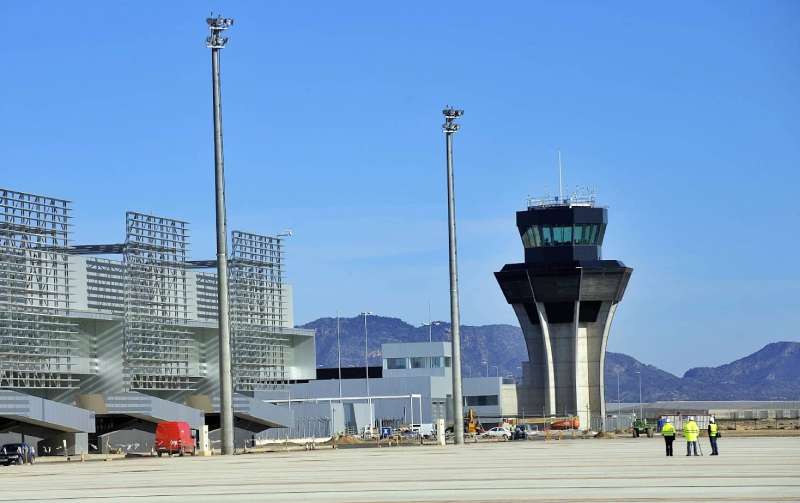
{"x": 415, "y": 386}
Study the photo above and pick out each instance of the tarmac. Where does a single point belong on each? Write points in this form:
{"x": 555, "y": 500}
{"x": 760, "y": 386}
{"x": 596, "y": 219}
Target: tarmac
{"x": 622, "y": 469}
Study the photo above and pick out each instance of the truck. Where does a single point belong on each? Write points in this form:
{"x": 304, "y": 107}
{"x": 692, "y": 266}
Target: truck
{"x": 424, "y": 430}
{"x": 175, "y": 437}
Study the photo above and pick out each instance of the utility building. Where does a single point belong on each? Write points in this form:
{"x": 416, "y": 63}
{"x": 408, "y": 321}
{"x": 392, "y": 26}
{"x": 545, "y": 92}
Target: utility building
{"x": 564, "y": 295}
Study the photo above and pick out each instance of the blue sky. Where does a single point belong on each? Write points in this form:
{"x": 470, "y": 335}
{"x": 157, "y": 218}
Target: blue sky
{"x": 685, "y": 116}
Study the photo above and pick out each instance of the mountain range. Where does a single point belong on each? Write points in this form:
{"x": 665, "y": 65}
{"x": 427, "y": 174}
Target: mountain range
{"x": 771, "y": 373}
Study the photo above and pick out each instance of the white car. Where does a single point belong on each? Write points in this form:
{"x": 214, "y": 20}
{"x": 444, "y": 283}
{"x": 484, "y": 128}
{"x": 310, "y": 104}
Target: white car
{"x": 497, "y": 432}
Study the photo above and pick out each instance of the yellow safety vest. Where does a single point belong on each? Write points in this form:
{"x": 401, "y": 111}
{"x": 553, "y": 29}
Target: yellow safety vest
{"x": 691, "y": 431}
{"x": 668, "y": 430}
{"x": 713, "y": 428}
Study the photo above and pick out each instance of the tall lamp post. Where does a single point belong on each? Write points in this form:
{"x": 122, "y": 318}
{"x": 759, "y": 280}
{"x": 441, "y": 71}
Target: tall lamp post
{"x": 339, "y": 352}
{"x": 450, "y": 127}
{"x": 641, "y": 415}
{"x": 215, "y": 42}
{"x": 366, "y": 367}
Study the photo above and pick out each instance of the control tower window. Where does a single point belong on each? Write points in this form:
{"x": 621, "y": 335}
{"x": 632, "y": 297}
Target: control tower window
{"x": 562, "y": 235}
{"x": 586, "y": 234}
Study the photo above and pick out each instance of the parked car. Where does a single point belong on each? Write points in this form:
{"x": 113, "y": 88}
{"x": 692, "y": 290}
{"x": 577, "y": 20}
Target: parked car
{"x": 526, "y": 431}
{"x": 175, "y": 437}
{"x": 532, "y": 431}
{"x": 17, "y": 454}
{"x": 497, "y": 432}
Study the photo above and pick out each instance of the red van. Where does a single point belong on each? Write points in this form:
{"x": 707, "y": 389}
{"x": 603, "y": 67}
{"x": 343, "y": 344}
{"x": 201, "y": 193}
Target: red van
{"x": 175, "y": 437}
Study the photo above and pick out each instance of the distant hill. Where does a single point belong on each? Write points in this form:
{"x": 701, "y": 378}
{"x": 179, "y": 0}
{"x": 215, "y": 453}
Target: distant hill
{"x": 500, "y": 345}
{"x": 772, "y": 373}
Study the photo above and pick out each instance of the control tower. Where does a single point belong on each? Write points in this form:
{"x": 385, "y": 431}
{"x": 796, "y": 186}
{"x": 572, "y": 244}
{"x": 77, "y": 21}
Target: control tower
{"x": 565, "y": 297}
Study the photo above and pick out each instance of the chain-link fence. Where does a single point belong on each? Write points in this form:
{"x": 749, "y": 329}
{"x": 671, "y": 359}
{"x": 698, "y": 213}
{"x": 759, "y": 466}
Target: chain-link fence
{"x": 616, "y": 422}
{"x": 759, "y": 419}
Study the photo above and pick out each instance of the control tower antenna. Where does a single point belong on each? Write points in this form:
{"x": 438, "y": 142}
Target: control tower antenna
{"x": 560, "y": 181}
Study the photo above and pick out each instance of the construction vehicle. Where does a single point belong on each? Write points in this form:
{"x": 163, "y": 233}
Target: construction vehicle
{"x": 572, "y": 423}
{"x": 640, "y": 426}
{"x": 472, "y": 424}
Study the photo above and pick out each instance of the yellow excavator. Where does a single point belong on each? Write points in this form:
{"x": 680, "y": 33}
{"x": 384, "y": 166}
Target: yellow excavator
{"x": 472, "y": 425}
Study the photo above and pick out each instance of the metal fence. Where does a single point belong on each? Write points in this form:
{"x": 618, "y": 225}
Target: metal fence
{"x": 304, "y": 428}
{"x": 611, "y": 423}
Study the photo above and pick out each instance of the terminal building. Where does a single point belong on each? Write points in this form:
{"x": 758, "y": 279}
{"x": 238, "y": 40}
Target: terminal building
{"x": 565, "y": 296}
{"x": 109, "y": 339}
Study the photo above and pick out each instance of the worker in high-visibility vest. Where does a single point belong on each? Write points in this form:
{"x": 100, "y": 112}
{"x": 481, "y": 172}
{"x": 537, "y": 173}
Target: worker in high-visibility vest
{"x": 713, "y": 435}
{"x": 668, "y": 432}
{"x": 690, "y": 432}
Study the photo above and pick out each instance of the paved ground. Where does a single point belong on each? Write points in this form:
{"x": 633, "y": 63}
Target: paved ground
{"x": 749, "y": 469}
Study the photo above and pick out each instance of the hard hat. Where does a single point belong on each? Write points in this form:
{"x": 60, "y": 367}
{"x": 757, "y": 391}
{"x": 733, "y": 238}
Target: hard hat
{"x": 691, "y": 418}
{"x": 669, "y": 420}
{"x": 711, "y": 419}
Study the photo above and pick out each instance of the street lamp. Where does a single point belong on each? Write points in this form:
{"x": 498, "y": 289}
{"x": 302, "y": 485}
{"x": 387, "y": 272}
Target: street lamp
{"x": 215, "y": 41}
{"x": 339, "y": 352}
{"x": 497, "y": 370}
{"x": 641, "y": 415}
{"x": 430, "y": 324}
{"x": 486, "y": 363}
{"x": 366, "y": 366}
{"x": 449, "y": 128}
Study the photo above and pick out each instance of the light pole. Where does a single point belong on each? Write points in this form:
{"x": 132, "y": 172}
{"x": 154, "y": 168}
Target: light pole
{"x": 486, "y": 363}
{"x": 450, "y": 127}
{"x": 641, "y": 416}
{"x": 339, "y": 352}
{"x": 497, "y": 370}
{"x": 215, "y": 42}
{"x": 619, "y": 404}
{"x": 366, "y": 366}
{"x": 430, "y": 324}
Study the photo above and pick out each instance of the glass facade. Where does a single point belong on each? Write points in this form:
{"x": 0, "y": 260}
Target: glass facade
{"x": 563, "y": 235}
{"x": 396, "y": 363}
{"x": 419, "y": 362}
{"x": 480, "y": 400}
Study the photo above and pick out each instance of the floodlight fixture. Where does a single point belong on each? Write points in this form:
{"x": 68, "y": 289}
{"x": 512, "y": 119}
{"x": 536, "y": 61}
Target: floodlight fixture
{"x": 217, "y": 25}
{"x": 450, "y": 115}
